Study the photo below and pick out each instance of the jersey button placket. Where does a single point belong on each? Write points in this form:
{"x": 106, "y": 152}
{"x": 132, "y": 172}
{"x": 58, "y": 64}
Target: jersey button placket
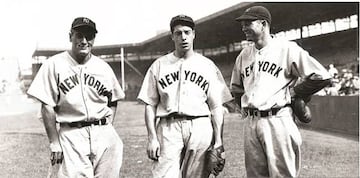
{"x": 181, "y": 82}
{"x": 83, "y": 90}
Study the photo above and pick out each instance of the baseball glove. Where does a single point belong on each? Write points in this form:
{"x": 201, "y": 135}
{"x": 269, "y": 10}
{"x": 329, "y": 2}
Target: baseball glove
{"x": 301, "y": 110}
{"x": 310, "y": 85}
{"x": 215, "y": 160}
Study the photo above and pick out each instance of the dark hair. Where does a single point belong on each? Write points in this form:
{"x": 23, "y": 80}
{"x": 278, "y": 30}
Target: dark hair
{"x": 181, "y": 23}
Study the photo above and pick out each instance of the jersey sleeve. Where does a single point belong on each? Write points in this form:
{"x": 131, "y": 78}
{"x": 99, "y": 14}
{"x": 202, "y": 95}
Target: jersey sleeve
{"x": 44, "y": 86}
{"x": 218, "y": 93}
{"x": 149, "y": 93}
{"x": 304, "y": 65}
{"x": 117, "y": 91}
{"x": 236, "y": 85}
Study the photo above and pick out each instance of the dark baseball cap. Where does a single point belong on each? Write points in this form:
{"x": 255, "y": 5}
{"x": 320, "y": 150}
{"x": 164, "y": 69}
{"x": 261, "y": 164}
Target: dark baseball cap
{"x": 183, "y": 20}
{"x": 84, "y": 24}
{"x": 256, "y": 13}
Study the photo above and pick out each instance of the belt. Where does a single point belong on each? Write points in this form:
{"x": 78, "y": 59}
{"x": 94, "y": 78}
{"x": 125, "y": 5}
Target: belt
{"x": 263, "y": 113}
{"x": 180, "y": 116}
{"x": 80, "y": 124}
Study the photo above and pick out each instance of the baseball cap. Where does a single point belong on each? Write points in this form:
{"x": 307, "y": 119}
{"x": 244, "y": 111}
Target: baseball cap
{"x": 183, "y": 20}
{"x": 84, "y": 24}
{"x": 255, "y": 13}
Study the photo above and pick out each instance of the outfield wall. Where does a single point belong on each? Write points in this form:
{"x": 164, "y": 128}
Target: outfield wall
{"x": 335, "y": 113}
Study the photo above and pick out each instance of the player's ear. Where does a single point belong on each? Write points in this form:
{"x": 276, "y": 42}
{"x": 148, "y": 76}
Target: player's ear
{"x": 264, "y": 22}
{"x": 172, "y": 36}
{"x": 70, "y": 33}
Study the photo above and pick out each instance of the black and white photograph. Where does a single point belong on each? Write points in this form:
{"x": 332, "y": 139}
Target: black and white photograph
{"x": 179, "y": 89}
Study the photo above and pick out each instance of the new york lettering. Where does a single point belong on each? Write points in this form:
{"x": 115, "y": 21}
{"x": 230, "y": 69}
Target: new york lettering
{"x": 69, "y": 83}
{"x": 264, "y": 66}
{"x": 194, "y": 77}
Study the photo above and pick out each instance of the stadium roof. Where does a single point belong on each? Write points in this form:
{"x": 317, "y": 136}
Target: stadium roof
{"x": 221, "y": 27}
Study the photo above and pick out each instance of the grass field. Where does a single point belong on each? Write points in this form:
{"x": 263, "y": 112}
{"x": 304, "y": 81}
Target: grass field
{"x": 24, "y": 151}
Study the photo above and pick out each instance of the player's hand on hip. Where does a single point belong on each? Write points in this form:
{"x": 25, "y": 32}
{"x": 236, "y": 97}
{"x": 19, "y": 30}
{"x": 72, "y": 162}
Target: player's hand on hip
{"x": 56, "y": 157}
{"x": 153, "y": 149}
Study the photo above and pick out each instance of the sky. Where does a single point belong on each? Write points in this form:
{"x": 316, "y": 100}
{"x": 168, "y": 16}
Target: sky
{"x": 26, "y": 25}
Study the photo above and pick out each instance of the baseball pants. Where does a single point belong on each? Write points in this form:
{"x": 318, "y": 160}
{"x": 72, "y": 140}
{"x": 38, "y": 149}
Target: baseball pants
{"x": 183, "y": 144}
{"x": 93, "y": 151}
{"x": 272, "y": 145}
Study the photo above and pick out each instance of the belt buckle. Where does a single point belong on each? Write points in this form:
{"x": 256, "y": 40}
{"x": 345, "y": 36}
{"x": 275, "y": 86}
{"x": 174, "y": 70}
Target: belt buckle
{"x": 78, "y": 125}
{"x": 96, "y": 122}
{"x": 100, "y": 121}
{"x": 169, "y": 120}
{"x": 93, "y": 123}
{"x": 257, "y": 113}
{"x": 249, "y": 113}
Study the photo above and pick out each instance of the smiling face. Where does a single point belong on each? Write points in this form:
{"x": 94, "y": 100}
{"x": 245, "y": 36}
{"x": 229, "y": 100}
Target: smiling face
{"x": 253, "y": 29}
{"x": 82, "y": 43}
{"x": 183, "y": 37}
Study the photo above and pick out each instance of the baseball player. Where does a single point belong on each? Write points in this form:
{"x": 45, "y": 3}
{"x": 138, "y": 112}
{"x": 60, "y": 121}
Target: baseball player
{"x": 183, "y": 93}
{"x": 79, "y": 91}
{"x": 263, "y": 78}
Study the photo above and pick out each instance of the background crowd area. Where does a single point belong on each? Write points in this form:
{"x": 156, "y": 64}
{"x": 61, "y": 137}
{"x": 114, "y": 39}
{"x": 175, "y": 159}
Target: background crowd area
{"x": 344, "y": 82}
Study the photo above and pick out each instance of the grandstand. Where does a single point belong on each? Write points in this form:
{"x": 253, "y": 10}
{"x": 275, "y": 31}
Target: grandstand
{"x": 219, "y": 37}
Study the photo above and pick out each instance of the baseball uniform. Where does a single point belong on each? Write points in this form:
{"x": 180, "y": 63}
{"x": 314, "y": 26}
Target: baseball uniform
{"x": 81, "y": 92}
{"x": 272, "y": 140}
{"x": 187, "y": 87}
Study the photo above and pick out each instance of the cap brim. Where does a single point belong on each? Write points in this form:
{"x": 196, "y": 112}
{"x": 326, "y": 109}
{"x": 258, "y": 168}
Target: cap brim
{"x": 84, "y": 28}
{"x": 246, "y": 17}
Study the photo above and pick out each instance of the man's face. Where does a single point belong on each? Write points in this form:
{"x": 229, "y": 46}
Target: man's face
{"x": 82, "y": 42}
{"x": 183, "y": 37}
{"x": 253, "y": 29}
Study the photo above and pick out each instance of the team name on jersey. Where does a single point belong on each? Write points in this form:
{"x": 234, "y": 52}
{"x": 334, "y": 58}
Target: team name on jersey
{"x": 72, "y": 81}
{"x": 264, "y": 66}
{"x": 194, "y": 77}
